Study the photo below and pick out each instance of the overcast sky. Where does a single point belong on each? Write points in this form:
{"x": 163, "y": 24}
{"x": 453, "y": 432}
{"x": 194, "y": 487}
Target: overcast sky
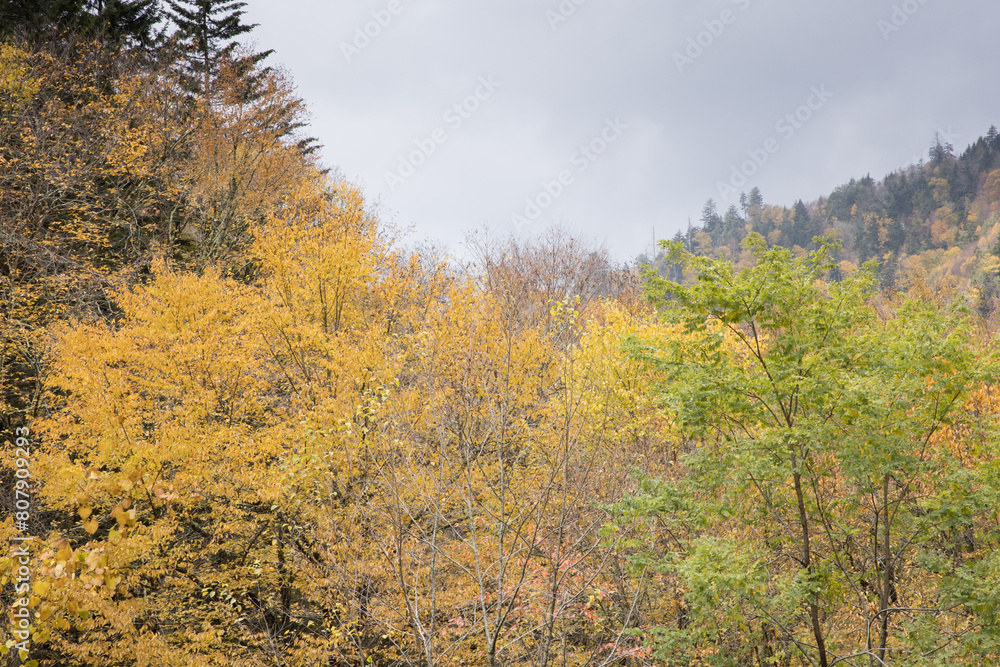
{"x": 618, "y": 117}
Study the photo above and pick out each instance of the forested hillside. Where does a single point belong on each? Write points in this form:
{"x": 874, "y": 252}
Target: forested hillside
{"x": 936, "y": 220}
{"x": 245, "y": 426}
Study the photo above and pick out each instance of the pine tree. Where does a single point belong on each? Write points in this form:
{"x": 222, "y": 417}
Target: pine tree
{"x": 803, "y": 226}
{"x": 940, "y": 150}
{"x": 711, "y": 221}
{"x": 208, "y": 30}
{"x": 115, "y": 23}
{"x": 121, "y": 22}
{"x": 34, "y": 18}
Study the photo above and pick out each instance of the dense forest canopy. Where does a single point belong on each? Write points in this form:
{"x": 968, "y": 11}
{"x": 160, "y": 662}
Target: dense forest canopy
{"x": 244, "y": 425}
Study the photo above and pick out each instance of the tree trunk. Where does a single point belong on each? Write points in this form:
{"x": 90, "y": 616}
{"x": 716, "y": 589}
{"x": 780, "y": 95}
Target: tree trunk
{"x": 807, "y": 562}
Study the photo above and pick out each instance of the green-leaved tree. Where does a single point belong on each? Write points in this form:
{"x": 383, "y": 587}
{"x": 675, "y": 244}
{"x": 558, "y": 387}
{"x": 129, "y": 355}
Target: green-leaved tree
{"x": 841, "y": 494}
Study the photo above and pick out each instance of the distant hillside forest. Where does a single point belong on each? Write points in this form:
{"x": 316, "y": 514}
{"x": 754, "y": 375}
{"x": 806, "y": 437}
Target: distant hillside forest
{"x": 936, "y": 219}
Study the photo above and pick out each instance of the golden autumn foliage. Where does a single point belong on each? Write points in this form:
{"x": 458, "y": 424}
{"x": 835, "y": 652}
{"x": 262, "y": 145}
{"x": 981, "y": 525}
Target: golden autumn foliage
{"x": 243, "y": 160}
{"x": 349, "y": 457}
{"x": 84, "y": 180}
{"x": 104, "y": 162}
{"x": 88, "y": 154}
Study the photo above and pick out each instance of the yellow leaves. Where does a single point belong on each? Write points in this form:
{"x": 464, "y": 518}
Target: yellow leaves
{"x": 228, "y": 447}
{"x": 96, "y": 560}
{"x": 614, "y": 388}
{"x": 242, "y": 164}
{"x": 64, "y": 554}
{"x": 321, "y": 252}
{"x": 990, "y": 265}
{"x": 167, "y": 425}
{"x": 125, "y": 518}
{"x": 167, "y": 494}
{"x": 941, "y": 189}
{"x": 16, "y": 80}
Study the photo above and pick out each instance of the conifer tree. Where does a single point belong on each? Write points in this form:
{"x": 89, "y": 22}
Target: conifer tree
{"x": 711, "y": 221}
{"x": 208, "y": 29}
{"x": 121, "y": 22}
{"x": 803, "y": 226}
{"x": 113, "y": 22}
{"x": 29, "y": 18}
{"x": 754, "y": 208}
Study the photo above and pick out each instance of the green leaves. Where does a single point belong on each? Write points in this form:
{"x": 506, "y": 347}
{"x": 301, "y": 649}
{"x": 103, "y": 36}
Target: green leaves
{"x": 831, "y": 470}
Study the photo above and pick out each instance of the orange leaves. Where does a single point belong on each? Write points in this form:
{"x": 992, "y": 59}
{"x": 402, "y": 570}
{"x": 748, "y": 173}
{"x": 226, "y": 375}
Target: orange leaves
{"x": 84, "y": 166}
{"x": 170, "y": 450}
{"x": 244, "y": 162}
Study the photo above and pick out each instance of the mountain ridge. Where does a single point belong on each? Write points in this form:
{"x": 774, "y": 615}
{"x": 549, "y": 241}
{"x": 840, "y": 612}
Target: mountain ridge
{"x": 936, "y": 220}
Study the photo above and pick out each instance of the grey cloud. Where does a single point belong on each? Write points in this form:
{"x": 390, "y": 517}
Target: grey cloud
{"x": 687, "y": 129}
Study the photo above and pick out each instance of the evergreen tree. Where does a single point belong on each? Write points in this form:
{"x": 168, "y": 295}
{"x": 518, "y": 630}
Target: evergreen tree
{"x": 122, "y": 22}
{"x": 755, "y": 211}
{"x": 208, "y": 30}
{"x": 116, "y": 23}
{"x": 711, "y": 221}
{"x": 940, "y": 150}
{"x": 733, "y": 225}
{"x": 33, "y": 19}
{"x": 803, "y": 226}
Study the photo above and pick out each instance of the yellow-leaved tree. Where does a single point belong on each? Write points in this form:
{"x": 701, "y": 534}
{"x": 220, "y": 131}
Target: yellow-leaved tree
{"x": 167, "y": 465}
{"x": 356, "y": 458}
